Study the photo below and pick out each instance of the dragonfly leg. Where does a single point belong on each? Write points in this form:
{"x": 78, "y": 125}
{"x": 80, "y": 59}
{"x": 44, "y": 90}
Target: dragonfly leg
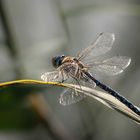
{"x": 63, "y": 78}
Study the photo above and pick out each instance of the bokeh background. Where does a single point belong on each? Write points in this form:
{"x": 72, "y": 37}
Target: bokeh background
{"x": 31, "y": 32}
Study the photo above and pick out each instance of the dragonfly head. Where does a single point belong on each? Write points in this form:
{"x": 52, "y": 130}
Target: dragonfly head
{"x": 57, "y": 60}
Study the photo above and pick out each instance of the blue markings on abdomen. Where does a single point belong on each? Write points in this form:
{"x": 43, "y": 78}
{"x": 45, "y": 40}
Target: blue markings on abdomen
{"x": 115, "y": 94}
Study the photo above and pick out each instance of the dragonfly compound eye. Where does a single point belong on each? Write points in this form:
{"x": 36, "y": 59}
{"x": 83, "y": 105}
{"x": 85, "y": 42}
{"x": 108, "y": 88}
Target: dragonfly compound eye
{"x": 57, "y": 61}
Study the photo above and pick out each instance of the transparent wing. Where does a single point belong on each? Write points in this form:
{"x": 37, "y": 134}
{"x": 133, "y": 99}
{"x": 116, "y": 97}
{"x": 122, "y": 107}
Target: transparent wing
{"x": 70, "y": 96}
{"x": 102, "y": 45}
{"x": 54, "y": 76}
{"x": 112, "y": 66}
{"x": 86, "y": 81}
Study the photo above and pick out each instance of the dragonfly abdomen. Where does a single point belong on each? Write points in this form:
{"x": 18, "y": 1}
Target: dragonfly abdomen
{"x": 115, "y": 94}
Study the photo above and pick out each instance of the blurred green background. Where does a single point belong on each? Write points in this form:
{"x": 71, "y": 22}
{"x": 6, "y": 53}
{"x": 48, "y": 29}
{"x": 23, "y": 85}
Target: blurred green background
{"x": 31, "y": 33}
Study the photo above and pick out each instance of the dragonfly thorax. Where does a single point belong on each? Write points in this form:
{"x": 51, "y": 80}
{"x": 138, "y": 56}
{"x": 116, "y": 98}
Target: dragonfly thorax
{"x": 57, "y": 61}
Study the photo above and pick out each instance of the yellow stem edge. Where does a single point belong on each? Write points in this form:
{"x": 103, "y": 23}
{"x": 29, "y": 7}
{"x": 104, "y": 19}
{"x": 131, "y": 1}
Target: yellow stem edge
{"x": 30, "y": 81}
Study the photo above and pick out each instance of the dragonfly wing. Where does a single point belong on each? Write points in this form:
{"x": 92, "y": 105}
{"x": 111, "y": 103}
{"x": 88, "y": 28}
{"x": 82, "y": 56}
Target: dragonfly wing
{"x": 112, "y": 66}
{"x": 70, "y": 96}
{"x": 55, "y": 76}
{"x": 102, "y": 45}
{"x": 87, "y": 82}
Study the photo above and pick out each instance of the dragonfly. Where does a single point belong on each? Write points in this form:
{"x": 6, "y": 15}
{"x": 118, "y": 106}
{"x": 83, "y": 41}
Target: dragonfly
{"x": 78, "y": 70}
